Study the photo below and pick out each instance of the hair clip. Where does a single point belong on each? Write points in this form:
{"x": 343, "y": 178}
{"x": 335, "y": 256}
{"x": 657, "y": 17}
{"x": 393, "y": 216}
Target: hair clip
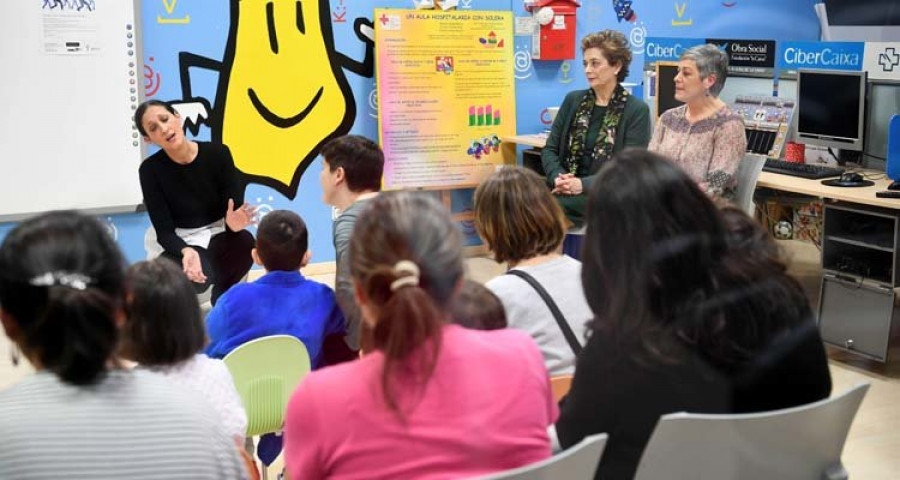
{"x": 77, "y": 281}
{"x": 411, "y": 280}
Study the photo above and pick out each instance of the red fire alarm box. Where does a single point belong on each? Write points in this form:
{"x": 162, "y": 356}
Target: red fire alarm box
{"x": 554, "y": 35}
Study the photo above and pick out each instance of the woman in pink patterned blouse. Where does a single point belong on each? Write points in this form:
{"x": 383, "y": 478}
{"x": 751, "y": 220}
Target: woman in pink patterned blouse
{"x": 703, "y": 136}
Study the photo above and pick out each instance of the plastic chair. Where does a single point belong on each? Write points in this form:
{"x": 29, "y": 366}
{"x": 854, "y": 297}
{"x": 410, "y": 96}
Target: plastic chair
{"x": 266, "y": 372}
{"x": 747, "y": 175}
{"x": 577, "y": 463}
{"x": 799, "y": 443}
{"x": 560, "y": 386}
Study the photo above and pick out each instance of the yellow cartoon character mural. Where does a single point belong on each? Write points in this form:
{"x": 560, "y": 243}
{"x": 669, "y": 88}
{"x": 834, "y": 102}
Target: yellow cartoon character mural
{"x": 282, "y": 92}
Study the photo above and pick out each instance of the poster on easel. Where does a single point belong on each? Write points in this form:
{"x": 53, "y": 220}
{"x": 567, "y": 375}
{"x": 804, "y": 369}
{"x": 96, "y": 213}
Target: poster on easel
{"x": 446, "y": 95}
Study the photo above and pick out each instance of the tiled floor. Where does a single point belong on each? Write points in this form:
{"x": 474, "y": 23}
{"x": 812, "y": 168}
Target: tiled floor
{"x": 872, "y": 451}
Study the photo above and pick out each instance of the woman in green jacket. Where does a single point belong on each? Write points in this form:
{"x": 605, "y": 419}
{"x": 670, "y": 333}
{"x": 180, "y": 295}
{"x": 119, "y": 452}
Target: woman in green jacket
{"x": 594, "y": 124}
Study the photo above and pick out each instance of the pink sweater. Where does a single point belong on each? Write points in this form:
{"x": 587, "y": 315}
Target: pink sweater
{"x": 710, "y": 150}
{"x": 485, "y": 409}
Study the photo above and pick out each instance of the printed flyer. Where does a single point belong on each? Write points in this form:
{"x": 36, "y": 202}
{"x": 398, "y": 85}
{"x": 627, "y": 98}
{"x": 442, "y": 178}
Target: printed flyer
{"x": 446, "y": 95}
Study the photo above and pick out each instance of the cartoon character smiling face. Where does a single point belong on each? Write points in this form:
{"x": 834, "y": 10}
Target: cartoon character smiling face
{"x": 286, "y": 92}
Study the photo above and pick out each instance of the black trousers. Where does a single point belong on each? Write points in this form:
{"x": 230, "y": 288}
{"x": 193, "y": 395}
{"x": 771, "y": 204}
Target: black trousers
{"x": 224, "y": 263}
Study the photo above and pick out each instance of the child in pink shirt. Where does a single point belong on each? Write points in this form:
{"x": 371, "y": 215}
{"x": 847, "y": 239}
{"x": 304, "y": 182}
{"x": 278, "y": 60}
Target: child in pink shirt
{"x": 431, "y": 400}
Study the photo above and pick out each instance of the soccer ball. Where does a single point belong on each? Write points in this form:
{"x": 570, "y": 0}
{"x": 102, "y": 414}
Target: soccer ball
{"x": 783, "y": 230}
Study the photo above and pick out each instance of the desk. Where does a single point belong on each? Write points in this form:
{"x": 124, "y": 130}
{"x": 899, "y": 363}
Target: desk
{"x": 508, "y": 145}
{"x": 534, "y": 140}
{"x": 860, "y": 260}
{"x": 775, "y": 181}
{"x": 859, "y": 195}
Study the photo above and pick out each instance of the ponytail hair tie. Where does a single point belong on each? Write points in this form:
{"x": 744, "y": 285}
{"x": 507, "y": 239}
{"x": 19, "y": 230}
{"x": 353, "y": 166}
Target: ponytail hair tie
{"x": 411, "y": 280}
{"x": 77, "y": 281}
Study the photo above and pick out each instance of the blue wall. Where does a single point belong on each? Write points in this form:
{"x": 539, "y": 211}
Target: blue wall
{"x": 171, "y": 27}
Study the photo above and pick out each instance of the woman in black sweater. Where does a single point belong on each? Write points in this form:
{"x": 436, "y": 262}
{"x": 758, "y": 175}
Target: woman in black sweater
{"x": 195, "y": 199}
{"x": 693, "y": 312}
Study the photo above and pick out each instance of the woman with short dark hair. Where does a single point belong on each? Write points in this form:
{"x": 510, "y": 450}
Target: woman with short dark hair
{"x": 81, "y": 414}
{"x": 594, "y": 124}
{"x": 687, "y": 318}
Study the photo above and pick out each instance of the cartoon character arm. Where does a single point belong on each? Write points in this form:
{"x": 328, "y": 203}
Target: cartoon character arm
{"x": 186, "y": 60}
{"x": 365, "y": 31}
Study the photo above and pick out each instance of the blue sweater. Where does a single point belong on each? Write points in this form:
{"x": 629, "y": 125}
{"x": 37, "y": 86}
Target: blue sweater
{"x": 278, "y": 303}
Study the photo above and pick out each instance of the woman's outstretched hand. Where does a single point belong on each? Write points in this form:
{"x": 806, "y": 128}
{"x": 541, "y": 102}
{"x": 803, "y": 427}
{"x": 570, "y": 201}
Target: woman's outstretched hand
{"x": 239, "y": 218}
{"x": 190, "y": 263}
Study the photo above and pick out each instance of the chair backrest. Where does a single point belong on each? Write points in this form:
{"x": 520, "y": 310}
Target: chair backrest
{"x": 266, "y": 371}
{"x": 802, "y": 443}
{"x": 577, "y": 463}
{"x": 747, "y": 175}
{"x": 560, "y": 386}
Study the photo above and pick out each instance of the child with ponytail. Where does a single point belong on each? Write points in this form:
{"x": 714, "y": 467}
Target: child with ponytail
{"x": 80, "y": 414}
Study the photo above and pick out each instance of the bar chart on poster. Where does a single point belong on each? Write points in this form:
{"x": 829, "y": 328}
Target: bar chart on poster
{"x": 69, "y": 88}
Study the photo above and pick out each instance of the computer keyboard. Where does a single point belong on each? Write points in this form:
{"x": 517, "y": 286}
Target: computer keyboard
{"x": 801, "y": 169}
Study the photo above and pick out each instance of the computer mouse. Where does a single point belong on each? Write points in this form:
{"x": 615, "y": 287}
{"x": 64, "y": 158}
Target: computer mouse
{"x": 895, "y": 185}
{"x": 851, "y": 177}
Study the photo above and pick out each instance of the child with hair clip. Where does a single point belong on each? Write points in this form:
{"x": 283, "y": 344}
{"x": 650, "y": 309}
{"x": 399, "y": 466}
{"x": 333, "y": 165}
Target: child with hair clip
{"x": 81, "y": 414}
{"x": 164, "y": 333}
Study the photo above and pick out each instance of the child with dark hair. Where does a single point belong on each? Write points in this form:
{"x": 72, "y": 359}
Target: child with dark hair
{"x": 281, "y": 302}
{"x": 352, "y": 167}
{"x": 476, "y": 307}
{"x": 163, "y": 332}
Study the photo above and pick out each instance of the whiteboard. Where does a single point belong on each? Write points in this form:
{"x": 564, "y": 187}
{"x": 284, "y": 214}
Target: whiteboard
{"x": 67, "y": 92}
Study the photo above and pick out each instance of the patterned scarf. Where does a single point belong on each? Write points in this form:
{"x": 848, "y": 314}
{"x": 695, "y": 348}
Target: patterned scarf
{"x": 606, "y": 139}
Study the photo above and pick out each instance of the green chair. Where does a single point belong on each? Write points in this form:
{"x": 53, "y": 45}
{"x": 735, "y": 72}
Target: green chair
{"x": 266, "y": 372}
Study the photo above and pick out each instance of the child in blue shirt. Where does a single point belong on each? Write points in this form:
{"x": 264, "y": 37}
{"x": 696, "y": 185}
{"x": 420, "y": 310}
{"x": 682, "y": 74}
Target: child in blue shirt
{"x": 282, "y": 302}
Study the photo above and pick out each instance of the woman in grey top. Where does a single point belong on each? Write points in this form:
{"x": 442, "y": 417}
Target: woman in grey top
{"x": 81, "y": 415}
{"x": 523, "y": 225}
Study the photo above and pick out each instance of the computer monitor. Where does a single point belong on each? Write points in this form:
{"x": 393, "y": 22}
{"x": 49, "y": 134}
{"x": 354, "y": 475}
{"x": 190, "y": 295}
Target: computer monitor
{"x": 831, "y": 108}
{"x": 665, "y": 87}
